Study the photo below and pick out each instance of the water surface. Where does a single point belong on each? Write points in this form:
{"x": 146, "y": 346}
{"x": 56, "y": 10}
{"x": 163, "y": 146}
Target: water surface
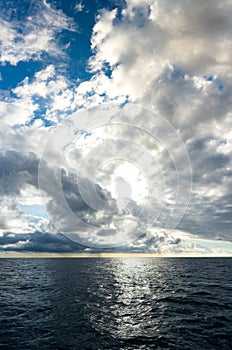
{"x": 116, "y": 304}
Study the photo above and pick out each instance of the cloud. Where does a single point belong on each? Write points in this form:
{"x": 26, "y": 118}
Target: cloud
{"x": 38, "y": 242}
{"x": 173, "y": 58}
{"x": 79, "y": 7}
{"x": 67, "y": 210}
{"x": 151, "y": 242}
{"x": 18, "y": 184}
{"x": 192, "y": 36}
{"x": 28, "y": 237}
{"x": 43, "y": 100}
{"x": 14, "y": 164}
{"x": 94, "y": 219}
{"x": 37, "y": 35}
{"x": 156, "y": 242}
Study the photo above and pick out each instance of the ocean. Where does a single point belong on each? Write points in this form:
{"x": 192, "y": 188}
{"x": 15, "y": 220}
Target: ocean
{"x": 120, "y": 303}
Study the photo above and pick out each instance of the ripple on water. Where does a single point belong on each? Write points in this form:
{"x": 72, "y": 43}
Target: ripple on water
{"x": 116, "y": 304}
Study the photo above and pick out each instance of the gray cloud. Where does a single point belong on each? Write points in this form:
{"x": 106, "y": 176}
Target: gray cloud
{"x": 38, "y": 242}
{"x": 47, "y": 242}
{"x": 18, "y": 170}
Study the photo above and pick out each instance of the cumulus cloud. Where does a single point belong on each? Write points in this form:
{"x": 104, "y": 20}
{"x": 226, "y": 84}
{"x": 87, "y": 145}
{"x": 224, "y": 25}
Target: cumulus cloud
{"x": 191, "y": 35}
{"x": 175, "y": 58}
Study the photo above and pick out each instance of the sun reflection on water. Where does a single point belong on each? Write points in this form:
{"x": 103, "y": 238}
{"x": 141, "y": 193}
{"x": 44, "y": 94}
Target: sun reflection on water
{"x": 128, "y": 303}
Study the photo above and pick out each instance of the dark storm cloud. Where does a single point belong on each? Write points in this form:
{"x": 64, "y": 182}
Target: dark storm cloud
{"x": 16, "y": 170}
{"x": 12, "y": 161}
{"x": 38, "y": 242}
{"x": 66, "y": 209}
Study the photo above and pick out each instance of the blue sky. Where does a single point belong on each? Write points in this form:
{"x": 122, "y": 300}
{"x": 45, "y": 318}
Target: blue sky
{"x": 116, "y": 126}
{"x": 75, "y": 43}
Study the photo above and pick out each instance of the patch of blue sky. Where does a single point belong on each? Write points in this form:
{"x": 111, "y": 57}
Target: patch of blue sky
{"x": 89, "y": 94}
{"x": 177, "y": 73}
{"x": 34, "y": 210}
{"x": 75, "y": 44}
{"x": 107, "y": 69}
{"x": 40, "y": 113}
{"x": 125, "y": 102}
{"x": 85, "y": 133}
{"x": 79, "y": 43}
{"x": 220, "y": 87}
{"x": 211, "y": 78}
{"x": 47, "y": 123}
{"x": 208, "y": 244}
{"x": 43, "y": 106}
{"x": 208, "y": 77}
{"x": 42, "y": 102}
{"x": 24, "y": 9}
{"x": 13, "y": 75}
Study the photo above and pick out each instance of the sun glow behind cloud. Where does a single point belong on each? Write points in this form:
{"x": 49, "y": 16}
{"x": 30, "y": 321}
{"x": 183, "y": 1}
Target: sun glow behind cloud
{"x": 126, "y": 182}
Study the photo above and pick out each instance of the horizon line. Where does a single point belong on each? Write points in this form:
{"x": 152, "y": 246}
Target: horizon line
{"x": 105, "y": 255}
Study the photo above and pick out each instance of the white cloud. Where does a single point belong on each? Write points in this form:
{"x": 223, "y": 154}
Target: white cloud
{"x": 47, "y": 90}
{"x": 79, "y": 7}
{"x": 17, "y": 111}
{"x": 36, "y": 37}
{"x": 45, "y": 82}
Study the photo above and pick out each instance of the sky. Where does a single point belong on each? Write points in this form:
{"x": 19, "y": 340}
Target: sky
{"x": 116, "y": 131}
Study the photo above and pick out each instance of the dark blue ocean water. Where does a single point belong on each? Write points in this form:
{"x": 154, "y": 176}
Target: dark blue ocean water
{"x": 116, "y": 304}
